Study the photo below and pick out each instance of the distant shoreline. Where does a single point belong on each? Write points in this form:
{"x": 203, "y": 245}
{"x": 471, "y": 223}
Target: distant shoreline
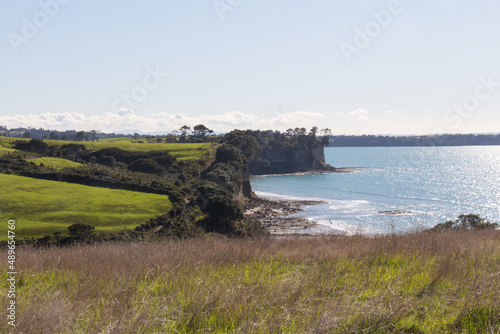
{"x": 320, "y": 171}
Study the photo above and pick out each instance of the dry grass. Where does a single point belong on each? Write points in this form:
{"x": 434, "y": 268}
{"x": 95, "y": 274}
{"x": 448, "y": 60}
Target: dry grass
{"x": 418, "y": 283}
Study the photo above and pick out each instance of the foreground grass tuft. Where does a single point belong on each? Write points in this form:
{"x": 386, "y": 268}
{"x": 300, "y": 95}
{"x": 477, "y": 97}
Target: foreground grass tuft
{"x": 419, "y": 283}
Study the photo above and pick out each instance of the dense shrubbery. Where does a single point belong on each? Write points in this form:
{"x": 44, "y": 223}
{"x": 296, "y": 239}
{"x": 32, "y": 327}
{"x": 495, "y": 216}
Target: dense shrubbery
{"x": 206, "y": 201}
{"x": 466, "y": 222}
{"x": 274, "y": 152}
{"x": 146, "y": 166}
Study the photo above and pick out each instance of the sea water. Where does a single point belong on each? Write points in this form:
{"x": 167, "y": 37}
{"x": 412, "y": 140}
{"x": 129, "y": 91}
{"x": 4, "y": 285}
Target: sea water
{"x": 430, "y": 184}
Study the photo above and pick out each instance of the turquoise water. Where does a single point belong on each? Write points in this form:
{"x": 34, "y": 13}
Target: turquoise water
{"x": 434, "y": 183}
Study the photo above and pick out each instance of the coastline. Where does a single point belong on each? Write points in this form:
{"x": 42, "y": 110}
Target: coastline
{"x": 282, "y": 217}
{"x": 320, "y": 171}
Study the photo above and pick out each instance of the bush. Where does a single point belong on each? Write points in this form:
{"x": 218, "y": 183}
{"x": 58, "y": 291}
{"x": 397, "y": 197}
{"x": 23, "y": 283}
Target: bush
{"x": 229, "y": 153}
{"x": 107, "y": 161}
{"x": 468, "y": 222}
{"x": 81, "y": 230}
{"x": 146, "y": 166}
{"x": 34, "y": 145}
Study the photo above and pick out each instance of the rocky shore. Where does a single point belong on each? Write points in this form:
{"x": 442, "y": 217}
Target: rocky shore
{"x": 282, "y": 217}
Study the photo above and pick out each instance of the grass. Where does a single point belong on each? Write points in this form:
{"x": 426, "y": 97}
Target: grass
{"x": 5, "y": 150}
{"x": 55, "y": 162}
{"x": 179, "y": 150}
{"x": 42, "y": 207}
{"x": 418, "y": 283}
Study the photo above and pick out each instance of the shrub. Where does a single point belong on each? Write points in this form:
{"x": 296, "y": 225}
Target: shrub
{"x": 107, "y": 161}
{"x": 146, "y": 166}
{"x": 34, "y": 145}
{"x": 469, "y": 222}
{"x": 81, "y": 230}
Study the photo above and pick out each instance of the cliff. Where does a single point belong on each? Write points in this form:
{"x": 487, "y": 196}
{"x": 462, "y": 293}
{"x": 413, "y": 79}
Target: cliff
{"x": 273, "y": 152}
{"x": 289, "y": 160}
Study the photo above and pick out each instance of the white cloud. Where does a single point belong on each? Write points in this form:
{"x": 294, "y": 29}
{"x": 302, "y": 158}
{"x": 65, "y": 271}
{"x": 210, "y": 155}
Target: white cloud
{"x": 126, "y": 121}
{"x": 361, "y": 114}
{"x": 390, "y": 111}
{"x": 339, "y": 113}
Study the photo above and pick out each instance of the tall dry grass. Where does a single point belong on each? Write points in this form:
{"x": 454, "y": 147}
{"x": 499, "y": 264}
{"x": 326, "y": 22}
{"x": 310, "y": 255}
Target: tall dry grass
{"x": 417, "y": 283}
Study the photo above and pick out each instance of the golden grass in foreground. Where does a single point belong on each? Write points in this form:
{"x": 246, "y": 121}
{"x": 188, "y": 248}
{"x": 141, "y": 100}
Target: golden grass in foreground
{"x": 419, "y": 283}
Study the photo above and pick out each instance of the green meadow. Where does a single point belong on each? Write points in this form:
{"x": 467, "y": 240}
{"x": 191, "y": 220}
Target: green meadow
{"x": 4, "y": 150}
{"x": 179, "y": 150}
{"x": 55, "y": 162}
{"x": 418, "y": 283}
{"x": 42, "y": 207}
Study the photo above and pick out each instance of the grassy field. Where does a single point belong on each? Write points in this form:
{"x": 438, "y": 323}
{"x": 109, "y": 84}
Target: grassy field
{"x": 55, "y": 162}
{"x": 179, "y": 150}
{"x": 4, "y": 150}
{"x": 42, "y": 207}
{"x": 418, "y": 283}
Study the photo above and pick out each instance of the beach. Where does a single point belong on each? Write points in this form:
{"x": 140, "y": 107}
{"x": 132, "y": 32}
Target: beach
{"x": 282, "y": 217}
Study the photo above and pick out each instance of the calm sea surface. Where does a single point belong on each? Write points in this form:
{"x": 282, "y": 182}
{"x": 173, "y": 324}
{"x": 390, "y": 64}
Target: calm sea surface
{"x": 433, "y": 183}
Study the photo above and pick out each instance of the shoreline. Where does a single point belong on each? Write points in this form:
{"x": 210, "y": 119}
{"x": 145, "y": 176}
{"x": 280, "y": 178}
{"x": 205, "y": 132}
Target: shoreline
{"x": 320, "y": 171}
{"x": 280, "y": 217}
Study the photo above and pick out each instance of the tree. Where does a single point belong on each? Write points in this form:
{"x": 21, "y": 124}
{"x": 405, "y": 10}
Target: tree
{"x": 170, "y": 138}
{"x": 27, "y": 135}
{"x": 136, "y": 136}
{"x": 468, "y": 222}
{"x": 184, "y": 129}
{"x": 53, "y": 136}
{"x": 247, "y": 144}
{"x": 80, "y": 135}
{"x": 201, "y": 131}
{"x": 94, "y": 135}
{"x": 326, "y": 132}
{"x": 313, "y": 132}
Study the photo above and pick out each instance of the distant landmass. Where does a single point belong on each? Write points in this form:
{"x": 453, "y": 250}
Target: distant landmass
{"x": 431, "y": 140}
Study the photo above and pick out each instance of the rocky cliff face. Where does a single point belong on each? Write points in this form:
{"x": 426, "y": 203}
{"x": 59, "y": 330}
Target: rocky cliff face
{"x": 292, "y": 159}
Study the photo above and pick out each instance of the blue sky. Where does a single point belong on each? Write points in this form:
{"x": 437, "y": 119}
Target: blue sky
{"x": 419, "y": 67}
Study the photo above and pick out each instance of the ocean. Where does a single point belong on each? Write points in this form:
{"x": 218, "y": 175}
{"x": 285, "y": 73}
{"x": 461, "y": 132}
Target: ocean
{"x": 430, "y": 184}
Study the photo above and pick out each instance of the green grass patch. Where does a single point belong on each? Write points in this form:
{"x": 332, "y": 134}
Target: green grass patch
{"x": 179, "y": 150}
{"x": 5, "y": 150}
{"x": 42, "y": 207}
{"x": 55, "y": 162}
{"x": 302, "y": 285}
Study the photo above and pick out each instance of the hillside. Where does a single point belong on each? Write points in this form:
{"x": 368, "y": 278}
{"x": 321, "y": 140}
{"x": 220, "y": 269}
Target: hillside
{"x": 42, "y": 207}
{"x": 418, "y": 283}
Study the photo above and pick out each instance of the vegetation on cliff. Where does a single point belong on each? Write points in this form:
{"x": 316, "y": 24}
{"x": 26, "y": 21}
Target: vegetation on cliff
{"x": 207, "y": 193}
{"x": 274, "y": 152}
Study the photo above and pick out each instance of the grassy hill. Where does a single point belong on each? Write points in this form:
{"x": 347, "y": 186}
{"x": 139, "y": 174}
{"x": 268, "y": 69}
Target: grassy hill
{"x": 42, "y": 207}
{"x": 417, "y": 283}
{"x": 179, "y": 150}
{"x": 55, "y": 162}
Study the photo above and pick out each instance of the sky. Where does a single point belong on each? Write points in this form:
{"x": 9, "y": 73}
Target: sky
{"x": 355, "y": 67}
